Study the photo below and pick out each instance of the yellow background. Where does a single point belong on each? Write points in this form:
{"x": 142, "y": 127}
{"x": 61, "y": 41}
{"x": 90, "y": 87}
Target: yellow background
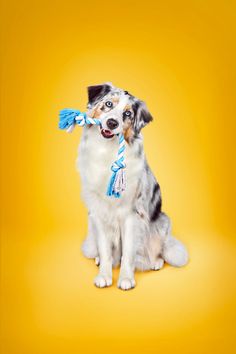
{"x": 179, "y": 57}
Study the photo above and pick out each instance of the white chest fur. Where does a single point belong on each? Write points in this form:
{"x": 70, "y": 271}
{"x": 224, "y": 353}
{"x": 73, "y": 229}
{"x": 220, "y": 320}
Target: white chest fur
{"x": 96, "y": 155}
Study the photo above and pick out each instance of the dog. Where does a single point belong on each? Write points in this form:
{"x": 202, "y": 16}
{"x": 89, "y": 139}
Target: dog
{"x": 131, "y": 231}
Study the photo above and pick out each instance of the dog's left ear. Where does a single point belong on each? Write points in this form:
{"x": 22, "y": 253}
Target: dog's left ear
{"x": 96, "y": 92}
{"x": 142, "y": 116}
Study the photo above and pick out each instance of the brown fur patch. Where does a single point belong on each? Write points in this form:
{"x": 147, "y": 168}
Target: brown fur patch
{"x": 96, "y": 112}
{"x": 115, "y": 99}
{"x": 127, "y": 107}
{"x": 128, "y": 133}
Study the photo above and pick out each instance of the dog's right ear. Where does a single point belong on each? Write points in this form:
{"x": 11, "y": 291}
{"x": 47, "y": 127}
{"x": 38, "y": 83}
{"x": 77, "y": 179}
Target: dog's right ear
{"x": 98, "y": 91}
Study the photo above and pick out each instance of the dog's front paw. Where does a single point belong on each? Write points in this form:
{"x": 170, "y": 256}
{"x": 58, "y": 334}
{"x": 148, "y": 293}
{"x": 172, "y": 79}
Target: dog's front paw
{"x": 101, "y": 281}
{"x": 126, "y": 283}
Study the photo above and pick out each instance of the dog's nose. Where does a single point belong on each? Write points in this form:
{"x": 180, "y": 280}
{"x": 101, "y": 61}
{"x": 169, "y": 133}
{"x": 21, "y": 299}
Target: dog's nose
{"x": 112, "y": 123}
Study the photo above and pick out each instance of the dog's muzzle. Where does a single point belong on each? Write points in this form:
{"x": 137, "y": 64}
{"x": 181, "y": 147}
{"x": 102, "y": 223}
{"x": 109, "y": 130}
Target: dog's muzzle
{"x": 106, "y": 133}
{"x": 112, "y": 123}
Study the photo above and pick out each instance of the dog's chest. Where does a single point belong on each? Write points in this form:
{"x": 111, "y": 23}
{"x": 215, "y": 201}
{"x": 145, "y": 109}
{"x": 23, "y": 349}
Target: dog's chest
{"x": 96, "y": 156}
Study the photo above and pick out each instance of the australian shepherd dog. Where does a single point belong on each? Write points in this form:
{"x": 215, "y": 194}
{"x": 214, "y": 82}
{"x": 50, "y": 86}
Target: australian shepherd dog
{"x": 131, "y": 231}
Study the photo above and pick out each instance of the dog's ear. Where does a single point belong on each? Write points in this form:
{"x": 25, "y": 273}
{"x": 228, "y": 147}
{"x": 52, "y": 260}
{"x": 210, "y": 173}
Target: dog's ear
{"x": 96, "y": 92}
{"x": 142, "y": 116}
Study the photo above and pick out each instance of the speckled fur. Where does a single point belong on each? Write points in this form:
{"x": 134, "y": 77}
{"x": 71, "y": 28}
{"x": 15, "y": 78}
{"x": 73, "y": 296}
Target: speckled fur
{"x": 131, "y": 231}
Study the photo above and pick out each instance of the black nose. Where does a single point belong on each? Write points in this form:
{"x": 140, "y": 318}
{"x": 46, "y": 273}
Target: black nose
{"x": 112, "y": 123}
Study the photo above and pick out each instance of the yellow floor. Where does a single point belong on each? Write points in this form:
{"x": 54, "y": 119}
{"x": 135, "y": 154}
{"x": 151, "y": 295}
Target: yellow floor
{"x": 52, "y": 306}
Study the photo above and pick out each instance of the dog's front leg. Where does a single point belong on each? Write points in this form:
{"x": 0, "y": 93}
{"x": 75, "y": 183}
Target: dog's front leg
{"x": 126, "y": 279}
{"x": 104, "y": 277}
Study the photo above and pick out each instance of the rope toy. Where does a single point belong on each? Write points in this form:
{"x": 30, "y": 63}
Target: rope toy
{"x": 69, "y": 118}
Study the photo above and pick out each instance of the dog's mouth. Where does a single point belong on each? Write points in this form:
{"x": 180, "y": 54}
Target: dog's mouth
{"x": 106, "y": 133}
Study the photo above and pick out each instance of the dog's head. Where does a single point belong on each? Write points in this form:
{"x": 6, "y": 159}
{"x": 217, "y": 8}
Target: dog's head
{"x": 118, "y": 110}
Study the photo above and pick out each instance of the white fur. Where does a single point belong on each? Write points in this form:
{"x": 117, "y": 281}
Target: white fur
{"x": 115, "y": 222}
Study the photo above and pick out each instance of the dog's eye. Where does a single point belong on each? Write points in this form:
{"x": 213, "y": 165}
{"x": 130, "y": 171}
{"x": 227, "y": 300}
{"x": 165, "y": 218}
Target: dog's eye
{"x": 109, "y": 104}
{"x": 127, "y": 114}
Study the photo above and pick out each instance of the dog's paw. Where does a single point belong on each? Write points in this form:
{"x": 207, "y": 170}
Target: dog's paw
{"x": 101, "y": 281}
{"x": 126, "y": 283}
{"x": 97, "y": 261}
{"x": 158, "y": 264}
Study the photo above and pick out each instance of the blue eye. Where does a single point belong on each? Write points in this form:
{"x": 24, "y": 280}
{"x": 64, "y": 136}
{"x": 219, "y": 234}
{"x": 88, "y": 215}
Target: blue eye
{"x": 109, "y": 104}
{"x": 127, "y": 113}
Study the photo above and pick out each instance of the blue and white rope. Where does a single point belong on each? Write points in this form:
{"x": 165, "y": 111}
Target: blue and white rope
{"x": 117, "y": 182}
{"x": 70, "y": 117}
{"x": 68, "y": 120}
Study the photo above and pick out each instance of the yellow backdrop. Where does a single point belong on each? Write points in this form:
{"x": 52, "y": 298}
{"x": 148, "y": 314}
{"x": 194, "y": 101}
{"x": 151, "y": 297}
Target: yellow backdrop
{"x": 179, "y": 57}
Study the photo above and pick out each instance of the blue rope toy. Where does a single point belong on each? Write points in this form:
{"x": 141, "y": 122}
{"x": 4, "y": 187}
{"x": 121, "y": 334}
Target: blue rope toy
{"x": 69, "y": 118}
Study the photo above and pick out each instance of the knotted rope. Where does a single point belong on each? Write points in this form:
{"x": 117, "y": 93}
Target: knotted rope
{"x": 117, "y": 184}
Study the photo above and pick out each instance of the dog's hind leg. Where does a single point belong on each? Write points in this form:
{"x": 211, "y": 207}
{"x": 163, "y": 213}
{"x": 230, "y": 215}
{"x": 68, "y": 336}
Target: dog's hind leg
{"x": 89, "y": 246}
{"x": 172, "y": 251}
{"x": 158, "y": 264}
{"x": 154, "y": 252}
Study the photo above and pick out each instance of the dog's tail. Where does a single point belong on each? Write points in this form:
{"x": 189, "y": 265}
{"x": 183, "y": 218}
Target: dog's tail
{"x": 174, "y": 252}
